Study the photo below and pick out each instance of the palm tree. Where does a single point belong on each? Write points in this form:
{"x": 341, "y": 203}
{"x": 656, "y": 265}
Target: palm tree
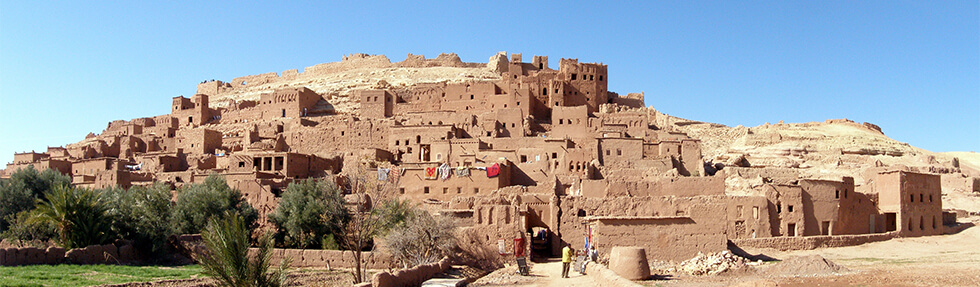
{"x": 226, "y": 258}
{"x": 78, "y": 214}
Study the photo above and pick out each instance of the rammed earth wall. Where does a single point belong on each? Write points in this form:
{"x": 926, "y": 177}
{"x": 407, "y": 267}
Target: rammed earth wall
{"x": 813, "y": 242}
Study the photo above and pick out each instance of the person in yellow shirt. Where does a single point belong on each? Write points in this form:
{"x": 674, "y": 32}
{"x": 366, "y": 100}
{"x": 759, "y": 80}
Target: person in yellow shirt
{"x": 566, "y": 259}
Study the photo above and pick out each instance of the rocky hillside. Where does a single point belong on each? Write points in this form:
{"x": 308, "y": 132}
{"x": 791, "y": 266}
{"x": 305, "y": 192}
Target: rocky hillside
{"x": 830, "y": 150}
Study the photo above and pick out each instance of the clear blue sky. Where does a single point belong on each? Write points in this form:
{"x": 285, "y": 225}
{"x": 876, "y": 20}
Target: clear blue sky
{"x": 912, "y": 67}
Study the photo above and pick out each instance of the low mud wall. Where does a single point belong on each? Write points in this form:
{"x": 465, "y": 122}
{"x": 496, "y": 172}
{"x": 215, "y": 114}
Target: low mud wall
{"x": 957, "y": 227}
{"x": 95, "y": 254}
{"x": 812, "y": 242}
{"x": 192, "y": 244}
{"x": 410, "y": 276}
{"x": 330, "y": 258}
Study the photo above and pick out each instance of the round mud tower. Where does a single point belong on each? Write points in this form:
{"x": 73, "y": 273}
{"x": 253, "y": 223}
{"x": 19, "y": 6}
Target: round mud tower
{"x": 629, "y": 262}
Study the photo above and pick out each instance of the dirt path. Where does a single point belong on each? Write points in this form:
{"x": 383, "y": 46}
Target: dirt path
{"x": 550, "y": 275}
{"x": 543, "y": 274}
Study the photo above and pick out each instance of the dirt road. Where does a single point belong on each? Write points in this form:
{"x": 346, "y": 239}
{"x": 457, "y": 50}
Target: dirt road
{"x": 544, "y": 274}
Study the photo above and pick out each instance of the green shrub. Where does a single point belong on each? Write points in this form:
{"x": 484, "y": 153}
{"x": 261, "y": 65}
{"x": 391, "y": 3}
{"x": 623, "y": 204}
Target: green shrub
{"x": 25, "y": 185}
{"x": 227, "y": 259}
{"x": 78, "y": 214}
{"x": 309, "y": 214}
{"x": 24, "y": 231}
{"x": 140, "y": 213}
{"x": 422, "y": 239}
{"x": 394, "y": 213}
{"x": 197, "y": 203}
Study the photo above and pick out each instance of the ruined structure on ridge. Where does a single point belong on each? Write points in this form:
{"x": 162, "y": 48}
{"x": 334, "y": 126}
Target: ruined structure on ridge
{"x": 528, "y": 151}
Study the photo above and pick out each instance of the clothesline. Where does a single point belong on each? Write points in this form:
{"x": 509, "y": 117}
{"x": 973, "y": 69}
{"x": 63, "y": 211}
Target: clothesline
{"x": 442, "y": 172}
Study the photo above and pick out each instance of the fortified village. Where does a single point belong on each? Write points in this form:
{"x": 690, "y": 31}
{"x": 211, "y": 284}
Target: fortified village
{"x": 522, "y": 150}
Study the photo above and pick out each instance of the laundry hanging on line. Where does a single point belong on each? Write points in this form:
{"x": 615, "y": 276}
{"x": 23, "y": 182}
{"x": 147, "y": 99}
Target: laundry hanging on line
{"x": 431, "y": 173}
{"x": 462, "y": 171}
{"x": 383, "y": 174}
{"x": 493, "y": 170}
{"x": 395, "y": 173}
{"x": 444, "y": 171}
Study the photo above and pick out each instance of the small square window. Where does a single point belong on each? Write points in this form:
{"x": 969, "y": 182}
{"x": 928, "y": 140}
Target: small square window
{"x": 476, "y": 190}
{"x": 425, "y": 190}
{"x": 790, "y": 208}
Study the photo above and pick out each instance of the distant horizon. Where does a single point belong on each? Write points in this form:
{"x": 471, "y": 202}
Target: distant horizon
{"x": 69, "y": 68}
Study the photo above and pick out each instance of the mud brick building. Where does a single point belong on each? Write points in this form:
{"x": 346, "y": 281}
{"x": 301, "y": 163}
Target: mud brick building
{"x": 539, "y": 152}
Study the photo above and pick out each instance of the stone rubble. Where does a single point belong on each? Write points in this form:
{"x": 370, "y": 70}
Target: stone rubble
{"x": 712, "y": 263}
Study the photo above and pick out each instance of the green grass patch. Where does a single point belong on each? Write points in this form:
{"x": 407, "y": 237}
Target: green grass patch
{"x": 87, "y": 275}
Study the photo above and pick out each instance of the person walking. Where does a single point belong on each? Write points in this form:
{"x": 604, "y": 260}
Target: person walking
{"x": 566, "y": 259}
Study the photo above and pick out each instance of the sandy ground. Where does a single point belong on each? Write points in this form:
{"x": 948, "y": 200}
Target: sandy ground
{"x": 544, "y": 274}
{"x": 946, "y": 260}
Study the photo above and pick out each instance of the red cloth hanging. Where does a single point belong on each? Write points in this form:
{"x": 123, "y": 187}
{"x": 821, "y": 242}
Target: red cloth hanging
{"x": 430, "y": 173}
{"x": 493, "y": 170}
